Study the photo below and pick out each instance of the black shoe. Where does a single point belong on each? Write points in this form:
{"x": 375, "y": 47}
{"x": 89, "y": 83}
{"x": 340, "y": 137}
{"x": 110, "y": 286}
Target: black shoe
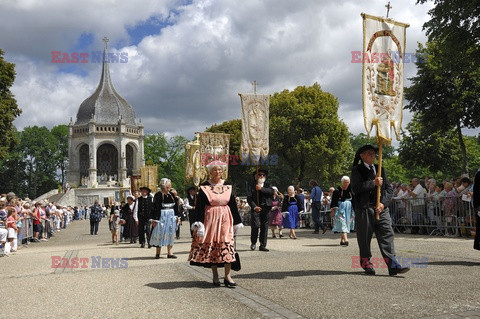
{"x": 263, "y": 249}
{"x": 157, "y": 256}
{"x": 324, "y": 230}
{"x": 396, "y": 271}
{"x": 216, "y": 283}
{"x": 252, "y": 246}
{"x": 342, "y": 243}
{"x": 142, "y": 246}
{"x": 316, "y": 232}
{"x": 370, "y": 271}
{"x": 171, "y": 256}
{"x": 149, "y": 246}
{"x": 345, "y": 243}
{"x": 229, "y": 284}
{"x": 280, "y": 236}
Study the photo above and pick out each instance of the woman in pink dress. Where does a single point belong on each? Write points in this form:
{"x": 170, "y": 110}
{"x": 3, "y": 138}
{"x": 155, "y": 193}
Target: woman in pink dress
{"x": 276, "y": 218}
{"x": 216, "y": 220}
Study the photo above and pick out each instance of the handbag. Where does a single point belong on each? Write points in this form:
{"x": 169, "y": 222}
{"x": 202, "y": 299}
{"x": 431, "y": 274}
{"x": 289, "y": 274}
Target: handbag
{"x": 236, "y": 265}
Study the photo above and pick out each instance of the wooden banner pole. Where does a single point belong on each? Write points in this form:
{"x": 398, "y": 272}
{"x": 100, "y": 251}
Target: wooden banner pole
{"x": 379, "y": 174}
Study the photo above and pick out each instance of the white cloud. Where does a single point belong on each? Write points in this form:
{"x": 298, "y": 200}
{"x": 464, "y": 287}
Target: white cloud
{"x": 187, "y": 77}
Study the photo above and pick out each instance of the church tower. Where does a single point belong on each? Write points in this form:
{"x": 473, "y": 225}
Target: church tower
{"x": 105, "y": 142}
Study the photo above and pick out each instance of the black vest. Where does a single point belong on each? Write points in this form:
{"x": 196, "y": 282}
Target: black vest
{"x": 145, "y": 206}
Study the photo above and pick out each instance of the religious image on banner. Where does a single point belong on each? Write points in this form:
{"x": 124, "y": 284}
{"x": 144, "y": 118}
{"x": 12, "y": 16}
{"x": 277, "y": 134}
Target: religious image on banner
{"x": 255, "y": 126}
{"x": 214, "y": 147}
{"x": 194, "y": 173}
{"x": 149, "y": 177}
{"x": 382, "y": 75}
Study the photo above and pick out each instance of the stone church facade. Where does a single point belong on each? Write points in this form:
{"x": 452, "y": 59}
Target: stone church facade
{"x": 106, "y": 144}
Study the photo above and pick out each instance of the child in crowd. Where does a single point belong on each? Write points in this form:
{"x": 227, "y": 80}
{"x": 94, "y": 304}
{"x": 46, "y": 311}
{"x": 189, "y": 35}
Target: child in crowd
{"x": 12, "y": 230}
{"x": 115, "y": 226}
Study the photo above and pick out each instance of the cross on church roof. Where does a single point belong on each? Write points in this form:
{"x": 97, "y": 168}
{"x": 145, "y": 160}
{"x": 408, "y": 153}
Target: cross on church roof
{"x": 388, "y": 6}
{"x": 105, "y": 39}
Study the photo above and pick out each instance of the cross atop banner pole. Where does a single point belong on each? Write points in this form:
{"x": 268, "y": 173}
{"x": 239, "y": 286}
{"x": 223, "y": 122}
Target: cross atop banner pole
{"x": 388, "y": 6}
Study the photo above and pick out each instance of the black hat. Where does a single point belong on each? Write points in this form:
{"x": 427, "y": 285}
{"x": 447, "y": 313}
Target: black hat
{"x": 261, "y": 170}
{"x": 146, "y": 188}
{"x": 362, "y": 149}
{"x": 190, "y": 188}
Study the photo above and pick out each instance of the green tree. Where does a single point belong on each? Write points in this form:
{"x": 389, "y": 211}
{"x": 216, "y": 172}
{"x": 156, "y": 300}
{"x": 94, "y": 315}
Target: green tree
{"x": 8, "y": 107}
{"x": 308, "y": 137}
{"x": 357, "y": 141}
{"x": 38, "y": 146}
{"x": 446, "y": 90}
{"x": 12, "y": 171}
{"x": 167, "y": 153}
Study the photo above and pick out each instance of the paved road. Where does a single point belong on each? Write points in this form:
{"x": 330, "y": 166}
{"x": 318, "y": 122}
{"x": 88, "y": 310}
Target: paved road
{"x": 311, "y": 277}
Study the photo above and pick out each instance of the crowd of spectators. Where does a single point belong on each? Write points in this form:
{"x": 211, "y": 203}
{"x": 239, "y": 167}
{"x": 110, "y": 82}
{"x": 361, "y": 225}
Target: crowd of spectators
{"x": 23, "y": 222}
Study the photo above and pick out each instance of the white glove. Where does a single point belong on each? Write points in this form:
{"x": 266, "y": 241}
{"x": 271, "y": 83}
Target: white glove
{"x": 199, "y": 227}
{"x": 237, "y": 227}
{"x": 284, "y": 214}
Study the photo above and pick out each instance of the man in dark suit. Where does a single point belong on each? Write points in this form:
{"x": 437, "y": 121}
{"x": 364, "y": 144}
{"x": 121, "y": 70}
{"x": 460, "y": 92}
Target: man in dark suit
{"x": 364, "y": 184}
{"x": 95, "y": 217}
{"x": 141, "y": 214}
{"x": 259, "y": 197}
{"x": 476, "y": 207}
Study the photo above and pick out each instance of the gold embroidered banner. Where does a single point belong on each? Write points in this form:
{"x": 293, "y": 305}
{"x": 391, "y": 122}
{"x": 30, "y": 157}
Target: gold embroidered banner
{"x": 194, "y": 172}
{"x": 255, "y": 126}
{"x": 149, "y": 177}
{"x": 382, "y": 75}
{"x": 214, "y": 147}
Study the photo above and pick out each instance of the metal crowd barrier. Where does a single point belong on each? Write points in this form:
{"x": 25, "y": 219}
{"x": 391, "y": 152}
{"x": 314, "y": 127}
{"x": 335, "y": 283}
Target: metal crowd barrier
{"x": 448, "y": 216}
{"x": 27, "y": 229}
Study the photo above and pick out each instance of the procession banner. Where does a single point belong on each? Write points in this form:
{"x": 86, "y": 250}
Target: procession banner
{"x": 149, "y": 177}
{"x": 255, "y": 126}
{"x": 214, "y": 147}
{"x": 194, "y": 172}
{"x": 382, "y": 75}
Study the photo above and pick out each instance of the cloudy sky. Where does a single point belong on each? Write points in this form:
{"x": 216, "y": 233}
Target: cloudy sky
{"x": 187, "y": 60}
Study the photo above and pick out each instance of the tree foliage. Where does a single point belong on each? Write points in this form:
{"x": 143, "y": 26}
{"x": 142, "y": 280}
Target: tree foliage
{"x": 308, "y": 137}
{"x": 167, "y": 153}
{"x": 8, "y": 107}
{"x": 446, "y": 90}
{"x": 37, "y": 163}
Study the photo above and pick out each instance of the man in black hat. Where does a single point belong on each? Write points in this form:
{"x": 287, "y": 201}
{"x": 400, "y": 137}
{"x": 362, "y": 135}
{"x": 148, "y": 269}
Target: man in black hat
{"x": 259, "y": 197}
{"x": 141, "y": 215}
{"x": 364, "y": 184}
{"x": 189, "y": 204}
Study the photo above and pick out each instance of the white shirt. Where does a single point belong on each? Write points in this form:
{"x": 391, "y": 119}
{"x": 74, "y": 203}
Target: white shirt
{"x": 419, "y": 192}
{"x": 373, "y": 166}
{"x": 186, "y": 203}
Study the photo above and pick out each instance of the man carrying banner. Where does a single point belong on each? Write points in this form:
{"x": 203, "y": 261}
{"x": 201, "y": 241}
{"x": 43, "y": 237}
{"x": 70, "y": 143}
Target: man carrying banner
{"x": 259, "y": 197}
{"x": 364, "y": 183}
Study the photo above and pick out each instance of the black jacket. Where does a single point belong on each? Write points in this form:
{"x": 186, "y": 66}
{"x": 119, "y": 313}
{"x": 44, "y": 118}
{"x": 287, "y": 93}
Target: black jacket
{"x": 160, "y": 198}
{"x": 145, "y": 206}
{"x": 265, "y": 195}
{"x": 364, "y": 191}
